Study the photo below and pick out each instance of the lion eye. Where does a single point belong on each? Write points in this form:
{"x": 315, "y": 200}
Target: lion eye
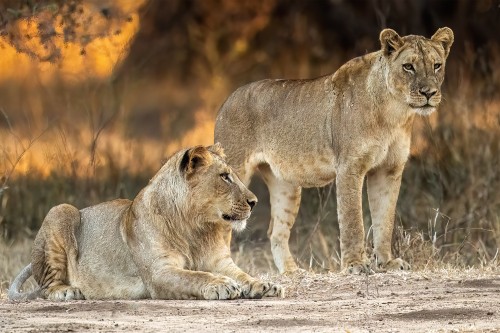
{"x": 226, "y": 177}
{"x": 437, "y": 67}
{"x": 408, "y": 67}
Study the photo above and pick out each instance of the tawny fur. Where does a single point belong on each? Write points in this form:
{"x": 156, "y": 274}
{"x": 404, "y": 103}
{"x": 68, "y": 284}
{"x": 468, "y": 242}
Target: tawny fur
{"x": 354, "y": 123}
{"x": 170, "y": 242}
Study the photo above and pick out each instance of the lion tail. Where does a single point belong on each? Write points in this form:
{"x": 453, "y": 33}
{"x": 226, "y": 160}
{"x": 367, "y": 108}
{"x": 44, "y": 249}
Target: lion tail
{"x": 15, "y": 293}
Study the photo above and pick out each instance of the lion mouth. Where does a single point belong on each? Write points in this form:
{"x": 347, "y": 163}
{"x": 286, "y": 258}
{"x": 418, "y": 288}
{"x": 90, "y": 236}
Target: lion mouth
{"x": 425, "y": 106}
{"x": 423, "y": 110}
{"x": 234, "y": 218}
{"x": 238, "y": 222}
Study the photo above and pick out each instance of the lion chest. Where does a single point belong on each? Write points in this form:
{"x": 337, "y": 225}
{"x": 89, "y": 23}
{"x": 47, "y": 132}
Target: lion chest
{"x": 390, "y": 150}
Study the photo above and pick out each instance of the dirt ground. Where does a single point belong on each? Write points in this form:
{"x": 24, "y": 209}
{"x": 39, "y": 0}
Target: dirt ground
{"x": 439, "y": 301}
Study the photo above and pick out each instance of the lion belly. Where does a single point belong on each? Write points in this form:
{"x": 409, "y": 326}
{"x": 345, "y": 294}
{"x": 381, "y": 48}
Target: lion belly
{"x": 304, "y": 170}
{"x": 104, "y": 268}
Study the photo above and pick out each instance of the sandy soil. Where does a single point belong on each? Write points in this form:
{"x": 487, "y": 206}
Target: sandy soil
{"x": 442, "y": 301}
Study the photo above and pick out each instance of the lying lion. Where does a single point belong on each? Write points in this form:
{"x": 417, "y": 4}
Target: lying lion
{"x": 170, "y": 242}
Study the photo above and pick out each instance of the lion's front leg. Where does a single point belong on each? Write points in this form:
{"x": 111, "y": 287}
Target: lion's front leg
{"x": 349, "y": 206}
{"x": 383, "y": 189}
{"x": 250, "y": 286}
{"x": 176, "y": 283}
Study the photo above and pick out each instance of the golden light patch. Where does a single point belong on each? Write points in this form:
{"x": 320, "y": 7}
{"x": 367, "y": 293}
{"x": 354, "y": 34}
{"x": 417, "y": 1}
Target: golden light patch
{"x": 71, "y": 60}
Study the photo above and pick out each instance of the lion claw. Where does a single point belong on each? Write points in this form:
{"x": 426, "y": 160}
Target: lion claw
{"x": 259, "y": 289}
{"x": 222, "y": 288}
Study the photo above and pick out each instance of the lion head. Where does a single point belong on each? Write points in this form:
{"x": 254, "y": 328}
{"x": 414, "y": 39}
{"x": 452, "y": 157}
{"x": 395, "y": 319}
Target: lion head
{"x": 198, "y": 184}
{"x": 416, "y": 66}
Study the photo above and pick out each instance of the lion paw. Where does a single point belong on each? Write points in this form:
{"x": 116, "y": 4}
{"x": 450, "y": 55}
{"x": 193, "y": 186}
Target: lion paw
{"x": 222, "y": 288}
{"x": 64, "y": 293}
{"x": 275, "y": 290}
{"x": 259, "y": 289}
{"x": 397, "y": 264}
{"x": 358, "y": 267}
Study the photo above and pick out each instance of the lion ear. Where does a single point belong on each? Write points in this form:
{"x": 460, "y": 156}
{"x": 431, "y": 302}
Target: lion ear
{"x": 390, "y": 41}
{"x": 445, "y": 37}
{"x": 194, "y": 159}
{"x": 217, "y": 149}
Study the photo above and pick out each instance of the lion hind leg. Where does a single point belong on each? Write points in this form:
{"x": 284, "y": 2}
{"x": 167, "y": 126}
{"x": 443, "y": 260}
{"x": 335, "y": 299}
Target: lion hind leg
{"x": 285, "y": 202}
{"x": 54, "y": 250}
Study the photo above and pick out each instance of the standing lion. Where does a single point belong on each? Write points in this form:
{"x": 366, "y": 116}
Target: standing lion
{"x": 170, "y": 242}
{"x": 353, "y": 124}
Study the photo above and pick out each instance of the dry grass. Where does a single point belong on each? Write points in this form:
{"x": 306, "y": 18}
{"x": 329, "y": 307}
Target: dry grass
{"x": 13, "y": 257}
{"x": 374, "y": 286}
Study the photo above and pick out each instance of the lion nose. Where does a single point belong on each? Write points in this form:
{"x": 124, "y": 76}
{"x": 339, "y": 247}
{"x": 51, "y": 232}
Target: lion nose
{"x": 252, "y": 202}
{"x": 427, "y": 92}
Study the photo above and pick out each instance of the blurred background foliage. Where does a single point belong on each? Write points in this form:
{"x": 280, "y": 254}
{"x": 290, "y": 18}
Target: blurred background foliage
{"x": 94, "y": 95}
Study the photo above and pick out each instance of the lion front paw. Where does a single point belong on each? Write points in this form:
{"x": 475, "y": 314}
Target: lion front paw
{"x": 222, "y": 288}
{"x": 275, "y": 290}
{"x": 358, "y": 267}
{"x": 397, "y": 264}
{"x": 259, "y": 289}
